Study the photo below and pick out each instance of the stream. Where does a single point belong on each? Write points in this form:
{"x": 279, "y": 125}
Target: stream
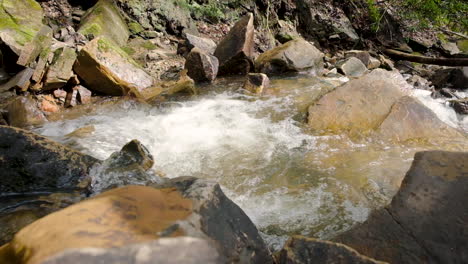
{"x": 287, "y": 179}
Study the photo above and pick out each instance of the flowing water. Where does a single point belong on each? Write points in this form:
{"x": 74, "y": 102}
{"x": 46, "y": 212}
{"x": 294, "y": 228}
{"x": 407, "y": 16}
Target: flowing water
{"x": 288, "y": 180}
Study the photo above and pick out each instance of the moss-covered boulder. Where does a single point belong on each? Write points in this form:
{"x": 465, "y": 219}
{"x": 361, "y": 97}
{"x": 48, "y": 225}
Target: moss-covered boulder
{"x": 104, "y": 20}
{"x": 107, "y": 69}
{"x": 20, "y": 20}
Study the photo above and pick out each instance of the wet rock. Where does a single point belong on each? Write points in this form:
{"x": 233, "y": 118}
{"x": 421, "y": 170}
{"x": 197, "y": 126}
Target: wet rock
{"x": 70, "y": 100}
{"x": 302, "y": 250}
{"x": 61, "y": 70}
{"x": 107, "y": 69}
{"x": 137, "y": 214}
{"x": 190, "y": 41}
{"x": 256, "y": 83}
{"x": 20, "y": 81}
{"x": 450, "y": 77}
{"x": 133, "y": 153}
{"x": 24, "y": 112}
{"x": 353, "y": 67}
{"x": 104, "y": 20}
{"x": 460, "y": 106}
{"x": 294, "y": 56}
{"x": 360, "y": 105}
{"x": 183, "y": 84}
{"x": 18, "y": 27}
{"x": 426, "y": 220}
{"x": 187, "y": 250}
{"x": 411, "y": 120}
{"x": 32, "y": 49}
{"x": 201, "y": 67}
{"x": 31, "y": 162}
{"x": 236, "y": 50}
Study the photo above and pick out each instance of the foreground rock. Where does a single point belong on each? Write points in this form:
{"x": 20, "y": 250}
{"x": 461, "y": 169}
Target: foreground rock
{"x": 201, "y": 67}
{"x": 426, "y": 221}
{"x": 302, "y": 250}
{"x": 136, "y": 214}
{"x": 31, "y": 162}
{"x": 293, "y": 56}
{"x": 106, "y": 68}
{"x": 187, "y": 250}
{"x": 256, "y": 83}
{"x": 235, "y": 52}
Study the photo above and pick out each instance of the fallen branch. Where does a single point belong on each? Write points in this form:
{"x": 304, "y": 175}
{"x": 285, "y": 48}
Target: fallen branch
{"x": 455, "y": 33}
{"x": 394, "y": 54}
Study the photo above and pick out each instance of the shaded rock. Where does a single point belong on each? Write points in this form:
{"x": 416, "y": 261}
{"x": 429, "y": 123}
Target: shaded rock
{"x": 256, "y": 83}
{"x": 70, "y": 100}
{"x": 426, "y": 221}
{"x": 411, "y": 120}
{"x": 18, "y": 27}
{"x": 136, "y": 214}
{"x": 104, "y": 20}
{"x": 360, "y": 105}
{"x": 201, "y": 66}
{"x": 302, "y": 250}
{"x": 353, "y": 67}
{"x": 24, "y": 112}
{"x": 106, "y": 68}
{"x": 32, "y": 49}
{"x": 460, "y": 106}
{"x": 188, "y": 250}
{"x": 236, "y": 50}
{"x": 362, "y": 55}
{"x": 450, "y": 77}
{"x": 20, "y": 81}
{"x": 31, "y": 162}
{"x": 190, "y": 41}
{"x": 294, "y": 56}
{"x": 61, "y": 70}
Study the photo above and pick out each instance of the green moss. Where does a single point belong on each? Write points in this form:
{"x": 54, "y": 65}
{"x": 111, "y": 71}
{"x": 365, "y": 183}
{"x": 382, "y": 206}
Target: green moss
{"x": 463, "y": 45}
{"x": 148, "y": 45}
{"x": 91, "y": 29}
{"x": 106, "y": 45}
{"x": 128, "y": 50}
{"x": 135, "y": 27}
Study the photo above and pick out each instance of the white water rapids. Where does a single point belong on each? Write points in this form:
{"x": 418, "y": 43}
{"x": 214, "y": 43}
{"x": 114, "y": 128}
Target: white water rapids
{"x": 287, "y": 181}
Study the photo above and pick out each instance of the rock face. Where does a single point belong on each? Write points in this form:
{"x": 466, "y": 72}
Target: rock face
{"x": 360, "y": 105}
{"x": 201, "y": 67}
{"x": 61, "y": 69}
{"x": 426, "y": 221}
{"x": 31, "y": 162}
{"x": 18, "y": 27}
{"x": 104, "y": 20}
{"x": 24, "y": 112}
{"x": 293, "y": 56}
{"x": 176, "y": 250}
{"x": 107, "y": 69}
{"x": 256, "y": 83}
{"x": 302, "y": 250}
{"x": 353, "y": 67}
{"x": 136, "y": 214}
{"x": 190, "y": 41}
{"x": 235, "y": 52}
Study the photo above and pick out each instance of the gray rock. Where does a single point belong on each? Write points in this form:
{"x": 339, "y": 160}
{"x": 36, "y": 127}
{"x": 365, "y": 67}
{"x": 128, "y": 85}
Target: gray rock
{"x": 362, "y": 55}
{"x": 61, "y": 70}
{"x": 191, "y": 41}
{"x": 201, "y": 67}
{"x": 353, "y": 67}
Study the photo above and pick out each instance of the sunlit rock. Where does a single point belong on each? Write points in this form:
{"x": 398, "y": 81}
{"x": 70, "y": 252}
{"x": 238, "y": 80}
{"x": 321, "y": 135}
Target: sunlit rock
{"x": 294, "y": 56}
{"x": 256, "y": 83}
{"x": 24, "y": 112}
{"x": 60, "y": 71}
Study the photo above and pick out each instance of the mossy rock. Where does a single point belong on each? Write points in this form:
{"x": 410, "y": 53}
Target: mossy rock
{"x": 463, "y": 46}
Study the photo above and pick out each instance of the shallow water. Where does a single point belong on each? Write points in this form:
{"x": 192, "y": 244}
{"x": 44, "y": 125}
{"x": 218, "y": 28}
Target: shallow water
{"x": 286, "y": 179}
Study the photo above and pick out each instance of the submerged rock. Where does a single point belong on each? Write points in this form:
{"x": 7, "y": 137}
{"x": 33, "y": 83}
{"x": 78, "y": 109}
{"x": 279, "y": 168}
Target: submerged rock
{"x": 256, "y": 83}
{"x": 293, "y": 56}
{"x": 302, "y": 250}
{"x": 136, "y": 214}
{"x": 201, "y": 67}
{"x": 426, "y": 221}
{"x": 235, "y": 52}
{"x": 24, "y": 112}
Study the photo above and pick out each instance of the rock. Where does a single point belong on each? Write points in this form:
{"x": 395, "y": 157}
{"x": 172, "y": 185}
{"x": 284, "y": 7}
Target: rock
{"x": 450, "y": 47}
{"x": 386, "y": 63}
{"x": 190, "y": 41}
{"x": 353, "y": 67}
{"x": 31, "y": 162}
{"x": 32, "y": 49}
{"x": 411, "y": 120}
{"x": 61, "y": 95}
{"x": 48, "y": 104}
{"x": 373, "y": 63}
{"x": 61, "y": 70}
{"x": 236, "y": 50}
{"x": 426, "y": 220}
{"x": 24, "y": 112}
{"x": 104, "y": 20}
{"x": 70, "y": 100}
{"x": 460, "y": 106}
{"x": 362, "y": 55}
{"x": 133, "y": 153}
{"x": 256, "y": 83}
{"x": 450, "y": 77}
{"x": 20, "y": 81}
{"x": 84, "y": 95}
{"x": 187, "y": 250}
{"x": 302, "y": 250}
{"x": 201, "y": 67}
{"x": 18, "y": 27}
{"x": 183, "y": 84}
{"x": 107, "y": 69}
{"x": 44, "y": 57}
{"x": 294, "y": 56}
{"x": 136, "y": 214}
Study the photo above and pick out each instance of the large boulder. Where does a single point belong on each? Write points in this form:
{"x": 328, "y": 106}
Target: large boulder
{"x": 31, "y": 162}
{"x": 201, "y": 67}
{"x": 104, "y": 20}
{"x": 303, "y": 250}
{"x": 136, "y": 214}
{"x": 359, "y": 106}
{"x": 427, "y": 220}
{"x": 235, "y": 52}
{"x": 293, "y": 56}
{"x": 20, "y": 20}
{"x": 107, "y": 69}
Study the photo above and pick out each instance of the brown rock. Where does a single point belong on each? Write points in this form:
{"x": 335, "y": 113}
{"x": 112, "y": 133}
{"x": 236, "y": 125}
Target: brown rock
{"x": 20, "y": 81}
{"x": 48, "y": 104}
{"x": 70, "y": 100}
{"x": 235, "y": 52}
{"x": 60, "y": 71}
{"x": 23, "y": 112}
{"x": 256, "y": 83}
{"x": 201, "y": 67}
{"x": 61, "y": 95}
